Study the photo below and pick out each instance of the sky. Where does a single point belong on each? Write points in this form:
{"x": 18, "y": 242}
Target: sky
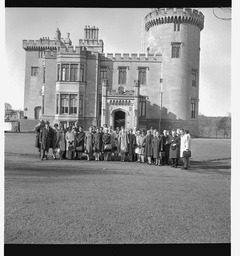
{"x": 120, "y": 29}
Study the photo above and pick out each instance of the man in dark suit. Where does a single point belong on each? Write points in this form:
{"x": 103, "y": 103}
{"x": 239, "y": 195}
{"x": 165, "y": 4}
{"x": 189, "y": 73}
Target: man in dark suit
{"x": 166, "y": 147}
{"x": 46, "y": 137}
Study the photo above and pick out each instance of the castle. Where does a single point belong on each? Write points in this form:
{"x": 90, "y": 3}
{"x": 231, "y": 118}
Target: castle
{"x": 158, "y": 88}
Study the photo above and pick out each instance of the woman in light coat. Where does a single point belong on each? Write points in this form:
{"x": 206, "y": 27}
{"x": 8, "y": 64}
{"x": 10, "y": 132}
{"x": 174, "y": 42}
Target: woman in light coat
{"x": 61, "y": 143}
{"x": 89, "y": 144}
{"x": 124, "y": 141}
{"x": 185, "y": 146}
{"x": 70, "y": 141}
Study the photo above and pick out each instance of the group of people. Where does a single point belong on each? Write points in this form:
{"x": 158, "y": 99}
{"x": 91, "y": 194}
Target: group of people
{"x": 104, "y": 143}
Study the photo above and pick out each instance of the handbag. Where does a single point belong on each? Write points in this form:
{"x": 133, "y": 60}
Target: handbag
{"x": 187, "y": 153}
{"x": 71, "y": 148}
{"x": 79, "y": 148}
{"x": 108, "y": 147}
{"x": 137, "y": 150}
{"x": 162, "y": 154}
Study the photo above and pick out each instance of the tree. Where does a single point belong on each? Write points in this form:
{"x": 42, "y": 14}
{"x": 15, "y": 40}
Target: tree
{"x": 7, "y": 106}
{"x": 224, "y": 125}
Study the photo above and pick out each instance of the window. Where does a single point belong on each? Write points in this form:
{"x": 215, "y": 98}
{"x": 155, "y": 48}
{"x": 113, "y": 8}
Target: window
{"x": 122, "y": 75}
{"x": 142, "y": 74}
{"x": 43, "y": 74}
{"x": 57, "y": 104}
{"x": 103, "y": 74}
{"x": 80, "y": 105}
{"x": 74, "y": 72}
{"x": 194, "y": 77}
{"x": 34, "y": 71}
{"x": 65, "y": 72}
{"x": 176, "y": 50}
{"x": 100, "y": 105}
{"x": 64, "y": 103}
{"x": 82, "y": 76}
{"x": 58, "y": 72}
{"x": 73, "y": 103}
{"x": 193, "y": 109}
{"x": 43, "y": 104}
{"x": 142, "y": 107}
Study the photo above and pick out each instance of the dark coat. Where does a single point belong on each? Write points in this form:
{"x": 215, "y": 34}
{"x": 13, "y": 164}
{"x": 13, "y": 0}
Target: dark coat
{"x": 106, "y": 139}
{"x": 46, "y": 137}
{"x": 37, "y": 130}
{"x": 54, "y": 139}
{"x": 166, "y": 144}
{"x": 97, "y": 142}
{"x": 148, "y": 146}
{"x": 132, "y": 143}
{"x": 174, "y": 150}
{"x": 80, "y": 137}
{"x": 157, "y": 145}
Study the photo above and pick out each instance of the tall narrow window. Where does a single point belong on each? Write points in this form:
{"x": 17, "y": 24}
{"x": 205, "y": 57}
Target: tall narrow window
{"x": 57, "y": 104}
{"x": 43, "y": 104}
{"x": 64, "y": 103}
{"x": 122, "y": 75}
{"x": 178, "y": 25}
{"x": 142, "y": 107}
{"x": 193, "y": 109}
{"x": 74, "y": 72}
{"x": 65, "y": 72}
{"x": 82, "y": 75}
{"x": 80, "y": 105}
{"x": 100, "y": 104}
{"x": 142, "y": 74}
{"x": 194, "y": 77}
{"x": 73, "y": 103}
{"x": 103, "y": 74}
{"x": 175, "y": 25}
{"x": 43, "y": 74}
{"x": 176, "y": 50}
{"x": 58, "y": 72}
{"x": 34, "y": 71}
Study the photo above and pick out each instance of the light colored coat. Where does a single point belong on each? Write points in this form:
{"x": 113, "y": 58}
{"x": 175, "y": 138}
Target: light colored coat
{"x": 185, "y": 143}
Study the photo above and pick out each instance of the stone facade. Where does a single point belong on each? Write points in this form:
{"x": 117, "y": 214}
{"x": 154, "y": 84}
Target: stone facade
{"x": 66, "y": 83}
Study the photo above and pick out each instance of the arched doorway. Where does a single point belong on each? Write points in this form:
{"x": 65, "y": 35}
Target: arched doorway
{"x": 119, "y": 119}
{"x": 37, "y": 112}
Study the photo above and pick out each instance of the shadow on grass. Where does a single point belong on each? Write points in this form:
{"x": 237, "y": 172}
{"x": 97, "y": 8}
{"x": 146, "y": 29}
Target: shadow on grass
{"x": 208, "y": 167}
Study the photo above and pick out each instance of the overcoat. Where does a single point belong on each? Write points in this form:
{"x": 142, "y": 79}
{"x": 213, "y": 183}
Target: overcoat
{"x": 106, "y": 139}
{"x": 89, "y": 142}
{"x": 54, "y": 139}
{"x": 97, "y": 142}
{"x": 157, "y": 145}
{"x": 124, "y": 141}
{"x": 46, "y": 136}
{"x": 185, "y": 143}
{"x": 174, "y": 153}
{"x": 166, "y": 144}
{"x": 61, "y": 143}
{"x": 132, "y": 144}
{"x": 80, "y": 136}
{"x": 70, "y": 139}
{"x": 37, "y": 130}
{"x": 142, "y": 140}
{"x": 148, "y": 146}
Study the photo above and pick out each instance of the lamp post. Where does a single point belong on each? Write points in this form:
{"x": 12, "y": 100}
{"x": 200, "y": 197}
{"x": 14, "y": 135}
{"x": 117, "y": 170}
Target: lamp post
{"x": 161, "y": 99}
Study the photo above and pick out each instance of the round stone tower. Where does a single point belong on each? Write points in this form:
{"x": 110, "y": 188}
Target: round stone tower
{"x": 175, "y": 34}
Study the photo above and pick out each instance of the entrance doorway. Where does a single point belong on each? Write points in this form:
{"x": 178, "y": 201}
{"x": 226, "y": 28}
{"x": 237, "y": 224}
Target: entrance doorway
{"x": 119, "y": 119}
{"x": 37, "y": 112}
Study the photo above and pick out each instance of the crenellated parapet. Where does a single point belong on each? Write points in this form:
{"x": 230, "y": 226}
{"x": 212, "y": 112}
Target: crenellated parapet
{"x": 41, "y": 44}
{"x": 131, "y": 57}
{"x": 72, "y": 50}
{"x": 171, "y": 15}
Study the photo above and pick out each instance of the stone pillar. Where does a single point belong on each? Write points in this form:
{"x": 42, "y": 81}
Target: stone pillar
{"x": 104, "y": 102}
{"x": 136, "y": 103}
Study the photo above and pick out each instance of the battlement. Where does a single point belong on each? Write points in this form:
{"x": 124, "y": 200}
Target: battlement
{"x": 72, "y": 50}
{"x": 130, "y": 57}
{"x": 170, "y": 15}
{"x": 41, "y": 44}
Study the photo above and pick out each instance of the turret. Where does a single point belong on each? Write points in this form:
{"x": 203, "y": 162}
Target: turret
{"x": 175, "y": 34}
